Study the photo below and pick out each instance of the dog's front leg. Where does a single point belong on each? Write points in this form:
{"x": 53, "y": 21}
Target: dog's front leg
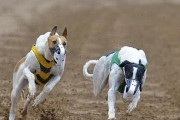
{"x": 136, "y": 99}
{"x": 27, "y": 102}
{"x": 46, "y": 90}
{"x": 114, "y": 82}
{"x": 134, "y": 102}
{"x": 31, "y": 79}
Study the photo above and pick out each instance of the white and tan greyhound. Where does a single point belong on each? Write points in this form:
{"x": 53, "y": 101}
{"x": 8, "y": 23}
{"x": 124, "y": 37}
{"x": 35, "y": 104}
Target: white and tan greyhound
{"x": 42, "y": 68}
{"x": 124, "y": 70}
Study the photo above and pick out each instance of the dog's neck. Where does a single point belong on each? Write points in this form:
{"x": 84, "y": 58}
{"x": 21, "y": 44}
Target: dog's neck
{"x": 47, "y": 54}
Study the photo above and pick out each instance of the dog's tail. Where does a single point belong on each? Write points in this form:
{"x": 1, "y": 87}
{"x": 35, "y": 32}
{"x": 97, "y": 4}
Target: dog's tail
{"x": 85, "y": 69}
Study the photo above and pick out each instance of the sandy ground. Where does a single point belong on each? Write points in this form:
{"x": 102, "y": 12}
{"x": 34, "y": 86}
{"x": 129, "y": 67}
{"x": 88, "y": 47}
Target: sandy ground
{"x": 94, "y": 29}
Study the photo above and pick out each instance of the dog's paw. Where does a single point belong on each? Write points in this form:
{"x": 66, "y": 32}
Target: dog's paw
{"x": 11, "y": 116}
{"x": 111, "y": 116}
{"x": 39, "y": 99}
{"x": 131, "y": 107}
{"x": 32, "y": 90}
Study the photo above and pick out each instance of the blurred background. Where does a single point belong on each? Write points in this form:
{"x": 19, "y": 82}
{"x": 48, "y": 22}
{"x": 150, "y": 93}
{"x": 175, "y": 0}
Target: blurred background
{"x": 95, "y": 27}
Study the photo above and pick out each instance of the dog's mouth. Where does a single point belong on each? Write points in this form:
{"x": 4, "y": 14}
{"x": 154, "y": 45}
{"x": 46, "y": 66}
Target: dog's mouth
{"x": 130, "y": 89}
{"x": 58, "y": 53}
{"x": 132, "y": 86}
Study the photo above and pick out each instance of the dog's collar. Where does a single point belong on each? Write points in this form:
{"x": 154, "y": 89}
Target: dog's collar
{"x": 46, "y": 63}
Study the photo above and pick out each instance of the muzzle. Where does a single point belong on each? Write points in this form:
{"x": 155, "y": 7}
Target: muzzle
{"x": 59, "y": 54}
{"x": 131, "y": 89}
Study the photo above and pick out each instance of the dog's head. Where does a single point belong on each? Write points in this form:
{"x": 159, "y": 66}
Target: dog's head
{"x": 57, "y": 45}
{"x": 134, "y": 74}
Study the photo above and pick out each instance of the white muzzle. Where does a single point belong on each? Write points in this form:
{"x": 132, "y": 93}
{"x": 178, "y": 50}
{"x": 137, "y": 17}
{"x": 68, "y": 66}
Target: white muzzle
{"x": 130, "y": 89}
{"x": 59, "y": 54}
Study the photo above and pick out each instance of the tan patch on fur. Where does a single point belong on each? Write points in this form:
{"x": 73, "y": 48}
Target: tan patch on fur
{"x": 18, "y": 64}
{"x": 63, "y": 39}
{"x": 52, "y": 39}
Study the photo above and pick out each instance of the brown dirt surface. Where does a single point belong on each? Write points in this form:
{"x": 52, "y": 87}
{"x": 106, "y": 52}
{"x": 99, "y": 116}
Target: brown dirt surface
{"x": 95, "y": 27}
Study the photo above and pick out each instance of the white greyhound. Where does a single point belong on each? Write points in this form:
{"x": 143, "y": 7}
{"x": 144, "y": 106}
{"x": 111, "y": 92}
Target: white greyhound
{"x": 124, "y": 70}
{"x": 42, "y": 67}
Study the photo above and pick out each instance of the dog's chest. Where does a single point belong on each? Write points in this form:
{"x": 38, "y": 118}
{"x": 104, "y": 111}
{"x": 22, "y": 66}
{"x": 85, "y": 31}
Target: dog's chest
{"x": 43, "y": 75}
{"x": 45, "y": 69}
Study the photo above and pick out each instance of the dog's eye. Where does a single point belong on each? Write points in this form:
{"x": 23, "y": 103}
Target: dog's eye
{"x": 64, "y": 43}
{"x": 128, "y": 74}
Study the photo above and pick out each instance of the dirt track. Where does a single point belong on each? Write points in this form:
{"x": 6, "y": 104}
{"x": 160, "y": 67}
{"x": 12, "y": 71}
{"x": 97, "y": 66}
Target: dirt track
{"x": 95, "y": 28}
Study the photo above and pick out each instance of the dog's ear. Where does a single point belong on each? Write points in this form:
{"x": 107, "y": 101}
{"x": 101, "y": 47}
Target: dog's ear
{"x": 140, "y": 87}
{"x": 143, "y": 67}
{"x": 53, "y": 31}
{"x": 65, "y": 33}
{"x": 140, "y": 61}
{"x": 124, "y": 63}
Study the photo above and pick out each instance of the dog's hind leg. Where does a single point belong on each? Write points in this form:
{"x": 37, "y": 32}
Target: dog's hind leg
{"x": 114, "y": 82}
{"x": 15, "y": 95}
